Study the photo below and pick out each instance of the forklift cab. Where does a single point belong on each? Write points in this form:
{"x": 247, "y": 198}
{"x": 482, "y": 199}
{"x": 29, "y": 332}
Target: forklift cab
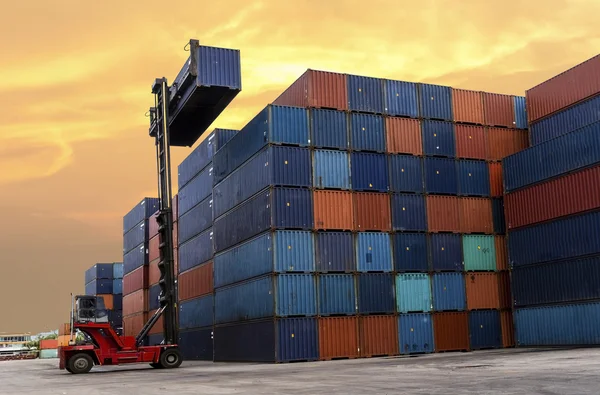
{"x": 89, "y": 309}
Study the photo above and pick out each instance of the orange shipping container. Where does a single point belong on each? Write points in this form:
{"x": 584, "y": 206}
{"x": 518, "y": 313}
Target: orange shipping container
{"x": 508, "y": 329}
{"x": 505, "y": 142}
{"x": 403, "y": 136}
{"x": 451, "y": 331}
{"x": 378, "y": 335}
{"x": 483, "y": 291}
{"x": 338, "y": 337}
{"x": 476, "y": 215}
{"x": 136, "y": 280}
{"x": 467, "y": 106}
{"x": 501, "y": 252}
{"x": 471, "y": 142}
{"x": 196, "y": 282}
{"x": 63, "y": 340}
{"x": 314, "y": 88}
{"x": 372, "y": 211}
{"x": 109, "y": 302}
{"x": 498, "y": 110}
{"x": 158, "y": 326}
{"x": 153, "y": 272}
{"x": 153, "y": 249}
{"x": 333, "y": 210}
{"x": 133, "y": 324}
{"x": 153, "y": 225}
{"x": 136, "y": 302}
{"x": 496, "y": 186}
{"x": 49, "y": 344}
{"x": 64, "y": 329}
{"x": 443, "y": 213}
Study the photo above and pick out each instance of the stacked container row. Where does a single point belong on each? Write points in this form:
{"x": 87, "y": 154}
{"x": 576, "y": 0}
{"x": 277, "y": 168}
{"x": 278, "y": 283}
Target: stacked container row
{"x": 105, "y": 280}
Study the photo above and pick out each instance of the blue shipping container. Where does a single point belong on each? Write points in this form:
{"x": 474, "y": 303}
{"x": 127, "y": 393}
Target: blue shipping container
{"x": 274, "y": 124}
{"x": 415, "y": 333}
{"x": 410, "y": 252}
{"x": 406, "y": 173}
{"x": 565, "y": 238}
{"x": 440, "y": 176}
{"x": 448, "y": 292}
{"x": 196, "y": 344}
{"x": 334, "y": 252}
{"x": 566, "y": 325}
{"x": 413, "y": 292}
{"x": 118, "y": 286}
{"x": 567, "y": 153}
{"x": 135, "y": 236}
{"x": 373, "y": 252}
{"x": 367, "y": 132}
{"x": 485, "y": 330}
{"x": 369, "y": 172}
{"x": 446, "y": 252}
{"x": 99, "y": 270}
{"x": 285, "y": 208}
{"x": 153, "y": 295}
{"x": 195, "y": 221}
{"x": 196, "y": 251}
{"x": 409, "y": 213}
{"x": 498, "y": 216}
{"x": 337, "y": 294}
{"x": 520, "y": 112}
{"x": 473, "y": 178}
{"x": 329, "y": 129}
{"x": 438, "y": 138}
{"x": 365, "y": 94}
{"x": 376, "y": 293}
{"x": 274, "y": 166}
{"x": 117, "y": 270}
{"x": 196, "y": 313}
{"x": 435, "y": 102}
{"x": 331, "y": 169}
{"x": 117, "y": 300}
{"x": 279, "y": 251}
{"x": 99, "y": 286}
{"x": 269, "y": 296}
{"x": 401, "y": 98}
{"x": 135, "y": 258}
{"x": 143, "y": 210}
{"x": 198, "y": 189}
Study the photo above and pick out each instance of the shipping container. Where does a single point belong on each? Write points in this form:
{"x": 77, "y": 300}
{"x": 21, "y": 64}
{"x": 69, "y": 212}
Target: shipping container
{"x": 373, "y": 252}
{"x": 406, "y": 173}
{"x": 274, "y": 124}
{"x": 508, "y": 328}
{"x": 279, "y": 252}
{"x": 438, "y": 138}
{"x": 567, "y": 153}
{"x": 334, "y": 252}
{"x": 448, "y": 291}
{"x": 520, "y": 112}
{"x": 372, "y": 211}
{"x": 471, "y": 142}
{"x": 369, "y": 172}
{"x": 279, "y": 340}
{"x": 202, "y": 155}
{"x": 440, "y": 176}
{"x": 564, "y": 325}
{"x": 48, "y": 354}
{"x": 378, "y": 335}
{"x": 415, "y": 333}
{"x": 118, "y": 286}
{"x": 331, "y": 169}
{"x": 137, "y": 235}
{"x": 504, "y": 284}
{"x": 401, "y": 98}
{"x": 338, "y": 338}
{"x": 496, "y": 187}
{"x": 99, "y": 286}
{"x": 287, "y": 208}
{"x": 136, "y": 280}
{"x": 197, "y": 312}
{"x": 143, "y": 210}
{"x": 329, "y": 129}
{"x": 155, "y": 339}
{"x": 115, "y": 318}
{"x": 566, "y": 238}
{"x": 485, "y": 330}
{"x": 174, "y": 208}
{"x": 413, "y": 293}
{"x": 479, "y": 253}
{"x": 273, "y": 166}
{"x": 476, "y": 215}
{"x": 196, "y": 251}
{"x": 501, "y": 252}
{"x": 365, "y": 94}
{"x": 483, "y": 290}
{"x": 117, "y": 270}
{"x": 153, "y": 297}
{"x": 467, "y": 106}
{"x": 505, "y": 142}
{"x": 153, "y": 248}
{"x": 567, "y": 88}
{"x": 269, "y": 296}
{"x": 133, "y": 324}
{"x": 376, "y": 293}
{"x": 435, "y": 102}
{"x": 473, "y": 178}
{"x": 334, "y": 210}
{"x": 410, "y": 252}
{"x": 451, "y": 331}
{"x": 136, "y": 302}
{"x": 337, "y": 294}
{"x": 157, "y": 331}
{"x": 108, "y": 300}
{"x": 99, "y": 271}
{"x": 198, "y": 189}
{"x": 498, "y": 216}
{"x": 498, "y": 110}
{"x": 195, "y": 282}
{"x": 48, "y": 344}
{"x": 195, "y": 221}
{"x": 196, "y": 344}
{"x": 446, "y": 252}
{"x": 316, "y": 88}
{"x": 403, "y": 136}
{"x": 367, "y": 132}
{"x": 135, "y": 258}
{"x": 443, "y": 213}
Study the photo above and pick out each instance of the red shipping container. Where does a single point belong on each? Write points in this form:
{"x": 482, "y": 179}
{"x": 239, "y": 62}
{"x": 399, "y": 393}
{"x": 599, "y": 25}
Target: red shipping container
{"x": 152, "y": 225}
{"x": 153, "y": 273}
{"x": 378, "y": 335}
{"x": 496, "y": 187}
{"x": 109, "y": 301}
{"x": 196, "y": 282}
{"x": 403, "y": 136}
{"x": 451, "y": 331}
{"x": 49, "y": 344}
{"x": 338, "y": 337}
{"x": 467, "y": 106}
{"x": 505, "y": 142}
{"x": 175, "y": 235}
{"x": 153, "y": 249}
{"x": 471, "y": 142}
{"x": 136, "y": 302}
{"x": 319, "y": 89}
{"x": 443, "y": 213}
{"x": 567, "y": 195}
{"x": 504, "y": 290}
{"x": 136, "y": 280}
{"x": 476, "y": 215}
{"x": 501, "y": 252}
{"x": 133, "y": 324}
{"x": 158, "y": 326}
{"x": 372, "y": 211}
{"x": 483, "y": 291}
{"x": 574, "y": 85}
{"x": 508, "y": 329}
{"x": 499, "y": 110}
{"x": 333, "y": 210}
{"x": 176, "y": 260}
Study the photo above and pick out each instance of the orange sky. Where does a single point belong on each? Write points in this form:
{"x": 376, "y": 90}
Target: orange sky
{"x": 75, "y": 155}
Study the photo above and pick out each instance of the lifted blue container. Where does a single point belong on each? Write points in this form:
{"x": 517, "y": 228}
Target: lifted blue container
{"x": 438, "y": 138}
{"x": 401, "y": 98}
{"x": 334, "y": 252}
{"x": 409, "y": 213}
{"x": 376, "y": 293}
{"x": 367, "y": 132}
{"x": 331, "y": 169}
{"x": 520, "y": 112}
{"x": 337, "y": 294}
{"x": 440, "y": 176}
{"x": 410, "y": 252}
{"x": 435, "y": 102}
{"x": 406, "y": 173}
{"x": 448, "y": 292}
{"x": 415, "y": 333}
{"x": 329, "y": 129}
{"x": 196, "y": 251}
{"x": 373, "y": 252}
{"x": 473, "y": 178}
{"x": 365, "y": 94}
{"x": 143, "y": 210}
{"x": 195, "y": 191}
{"x": 196, "y": 220}
{"x": 485, "y": 330}
{"x": 446, "y": 252}
{"x": 369, "y": 172}
{"x": 196, "y": 344}
{"x": 196, "y": 313}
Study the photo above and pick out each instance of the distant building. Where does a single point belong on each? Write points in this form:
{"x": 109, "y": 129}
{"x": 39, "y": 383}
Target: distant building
{"x": 13, "y": 343}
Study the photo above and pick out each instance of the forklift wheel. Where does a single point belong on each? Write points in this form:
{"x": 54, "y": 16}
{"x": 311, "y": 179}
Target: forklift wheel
{"x": 170, "y": 358}
{"x": 80, "y": 363}
{"x": 156, "y": 365}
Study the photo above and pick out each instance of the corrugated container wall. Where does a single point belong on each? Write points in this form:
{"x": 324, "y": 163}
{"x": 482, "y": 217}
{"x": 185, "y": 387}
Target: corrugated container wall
{"x": 198, "y": 189}
{"x": 440, "y": 176}
{"x": 373, "y": 252}
{"x": 403, "y": 136}
{"x": 338, "y": 337}
{"x": 413, "y": 293}
{"x": 406, "y": 173}
{"x": 367, "y": 132}
{"x": 196, "y": 251}
{"x": 409, "y": 213}
{"x": 443, "y": 213}
{"x": 329, "y": 129}
{"x": 446, "y": 252}
{"x": 369, "y": 172}
{"x": 401, "y": 98}
{"x": 336, "y": 294}
{"x": 334, "y": 252}
{"x": 197, "y": 344}
{"x": 476, "y": 215}
{"x": 143, "y": 210}
{"x": 504, "y": 142}
{"x": 372, "y": 211}
{"x": 410, "y": 252}
{"x": 331, "y": 169}
{"x": 473, "y": 178}
{"x": 485, "y": 330}
{"x": 483, "y": 291}
{"x": 314, "y": 88}
{"x": 435, "y": 102}
{"x": 195, "y": 221}
{"x": 333, "y": 210}
{"x": 448, "y": 292}
{"x": 499, "y": 110}
{"x": 365, "y": 94}
{"x": 520, "y": 112}
{"x": 451, "y": 331}
{"x": 438, "y": 138}
{"x": 195, "y": 282}
{"x": 376, "y": 293}
{"x": 471, "y": 142}
{"x": 378, "y": 336}
{"x": 467, "y": 106}
{"x": 415, "y": 332}
{"x": 196, "y": 313}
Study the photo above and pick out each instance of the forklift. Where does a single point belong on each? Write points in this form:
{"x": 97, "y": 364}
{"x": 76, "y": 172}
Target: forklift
{"x": 181, "y": 113}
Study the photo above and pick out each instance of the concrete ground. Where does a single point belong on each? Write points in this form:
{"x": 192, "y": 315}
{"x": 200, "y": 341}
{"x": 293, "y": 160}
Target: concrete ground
{"x": 547, "y": 372}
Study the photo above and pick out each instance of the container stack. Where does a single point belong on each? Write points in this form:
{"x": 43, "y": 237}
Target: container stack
{"x": 195, "y": 242}
{"x": 553, "y": 213}
{"x": 48, "y": 348}
{"x": 105, "y": 280}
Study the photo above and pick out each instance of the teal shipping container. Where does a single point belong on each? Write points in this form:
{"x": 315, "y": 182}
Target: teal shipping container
{"x": 479, "y": 253}
{"x": 413, "y": 293}
{"x": 49, "y": 354}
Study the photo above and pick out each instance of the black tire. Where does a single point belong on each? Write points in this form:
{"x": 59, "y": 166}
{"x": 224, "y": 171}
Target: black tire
{"x": 156, "y": 365}
{"x": 170, "y": 358}
{"x": 80, "y": 363}
{"x": 68, "y": 369}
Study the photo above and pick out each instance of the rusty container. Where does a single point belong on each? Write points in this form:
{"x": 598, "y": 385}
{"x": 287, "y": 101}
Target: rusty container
{"x": 467, "y": 106}
{"x": 64, "y": 329}
{"x": 196, "y": 282}
{"x": 175, "y": 234}
{"x": 378, "y": 335}
{"x": 319, "y": 89}
{"x": 476, "y": 215}
{"x": 499, "y": 110}
{"x": 471, "y": 142}
{"x": 403, "y": 136}
{"x": 133, "y": 324}
{"x": 504, "y": 290}
{"x": 372, "y": 211}
{"x": 505, "y": 142}
{"x": 176, "y": 259}
{"x": 338, "y": 338}
{"x": 158, "y": 326}
{"x": 496, "y": 187}
{"x": 153, "y": 249}
{"x": 501, "y": 252}
{"x": 175, "y": 207}
{"x": 483, "y": 291}
{"x": 508, "y": 329}
{"x": 136, "y": 280}
{"x": 153, "y": 272}
{"x": 443, "y": 213}
{"x": 333, "y": 210}
{"x": 109, "y": 301}
{"x": 153, "y": 225}
{"x": 136, "y": 302}
{"x": 451, "y": 331}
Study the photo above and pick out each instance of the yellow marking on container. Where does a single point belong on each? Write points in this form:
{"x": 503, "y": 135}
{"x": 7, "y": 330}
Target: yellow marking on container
{"x": 288, "y": 204}
{"x": 289, "y": 247}
{"x": 437, "y": 172}
{"x": 286, "y": 162}
{"x": 407, "y": 248}
{"x": 403, "y": 208}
